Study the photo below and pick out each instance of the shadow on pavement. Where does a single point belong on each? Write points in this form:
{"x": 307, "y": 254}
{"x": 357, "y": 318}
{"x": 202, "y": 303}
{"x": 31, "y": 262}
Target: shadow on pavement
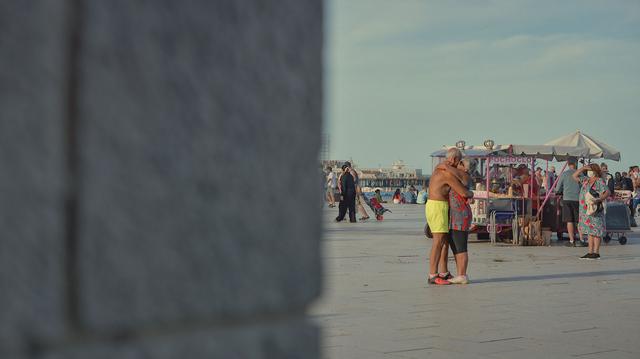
{"x": 557, "y": 276}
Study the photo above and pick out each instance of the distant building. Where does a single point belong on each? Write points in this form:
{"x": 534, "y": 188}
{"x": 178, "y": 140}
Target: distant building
{"x": 388, "y": 179}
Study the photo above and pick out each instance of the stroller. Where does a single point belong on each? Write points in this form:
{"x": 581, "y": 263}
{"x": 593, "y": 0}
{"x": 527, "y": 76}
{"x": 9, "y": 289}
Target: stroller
{"x": 376, "y": 207}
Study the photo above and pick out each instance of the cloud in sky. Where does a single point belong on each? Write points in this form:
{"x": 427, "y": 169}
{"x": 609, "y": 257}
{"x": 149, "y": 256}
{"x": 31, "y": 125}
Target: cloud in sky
{"x": 415, "y": 75}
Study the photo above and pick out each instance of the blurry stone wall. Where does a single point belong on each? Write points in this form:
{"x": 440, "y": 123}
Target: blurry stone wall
{"x": 158, "y": 178}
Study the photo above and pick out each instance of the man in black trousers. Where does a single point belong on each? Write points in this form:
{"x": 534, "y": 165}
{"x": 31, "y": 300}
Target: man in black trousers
{"x": 347, "y": 194}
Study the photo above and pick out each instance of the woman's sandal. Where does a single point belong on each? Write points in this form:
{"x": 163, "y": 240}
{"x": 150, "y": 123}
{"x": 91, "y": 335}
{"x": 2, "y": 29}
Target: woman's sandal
{"x": 364, "y": 218}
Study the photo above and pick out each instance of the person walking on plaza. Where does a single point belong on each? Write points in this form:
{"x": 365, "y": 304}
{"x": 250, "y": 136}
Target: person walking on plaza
{"x": 359, "y": 196}
{"x": 332, "y": 184}
{"x": 593, "y": 192}
{"x": 570, "y": 191}
{"x": 347, "y": 194}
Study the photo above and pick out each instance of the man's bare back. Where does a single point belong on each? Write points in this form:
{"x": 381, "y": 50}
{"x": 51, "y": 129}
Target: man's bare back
{"x": 438, "y": 187}
{"x": 441, "y": 182}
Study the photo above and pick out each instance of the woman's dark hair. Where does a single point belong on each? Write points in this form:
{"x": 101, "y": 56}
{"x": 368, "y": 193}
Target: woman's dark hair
{"x": 397, "y": 191}
{"x": 596, "y": 169}
{"x": 617, "y": 174}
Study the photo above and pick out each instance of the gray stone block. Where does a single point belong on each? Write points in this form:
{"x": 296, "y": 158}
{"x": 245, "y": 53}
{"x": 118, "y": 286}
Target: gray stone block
{"x": 289, "y": 340}
{"x": 32, "y": 99}
{"x": 200, "y": 133}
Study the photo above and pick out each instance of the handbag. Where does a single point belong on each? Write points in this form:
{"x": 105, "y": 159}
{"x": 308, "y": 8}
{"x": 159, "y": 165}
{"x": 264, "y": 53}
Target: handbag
{"x": 596, "y": 195}
{"x": 427, "y": 231}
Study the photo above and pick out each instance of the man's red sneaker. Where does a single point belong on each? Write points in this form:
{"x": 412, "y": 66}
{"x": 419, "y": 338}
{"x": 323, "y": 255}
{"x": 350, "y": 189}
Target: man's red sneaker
{"x": 438, "y": 281}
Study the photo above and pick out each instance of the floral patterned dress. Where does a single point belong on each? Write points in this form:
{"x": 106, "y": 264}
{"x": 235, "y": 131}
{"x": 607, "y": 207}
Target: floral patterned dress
{"x": 460, "y": 214}
{"x": 592, "y": 225}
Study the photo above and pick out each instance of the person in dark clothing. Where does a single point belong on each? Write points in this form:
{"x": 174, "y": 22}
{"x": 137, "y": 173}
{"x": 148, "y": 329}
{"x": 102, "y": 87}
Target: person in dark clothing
{"x": 570, "y": 190}
{"x": 617, "y": 180}
{"x": 634, "y": 179}
{"x": 627, "y": 183}
{"x": 608, "y": 178}
{"x": 347, "y": 194}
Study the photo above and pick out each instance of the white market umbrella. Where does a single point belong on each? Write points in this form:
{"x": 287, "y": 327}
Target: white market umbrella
{"x": 550, "y": 152}
{"x": 597, "y": 148}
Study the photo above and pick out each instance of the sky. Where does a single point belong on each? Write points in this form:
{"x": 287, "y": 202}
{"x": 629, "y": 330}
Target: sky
{"x": 405, "y": 77}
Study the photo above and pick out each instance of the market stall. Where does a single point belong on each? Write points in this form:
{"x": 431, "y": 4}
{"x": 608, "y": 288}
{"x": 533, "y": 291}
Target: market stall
{"x": 617, "y": 214}
{"x": 597, "y": 148}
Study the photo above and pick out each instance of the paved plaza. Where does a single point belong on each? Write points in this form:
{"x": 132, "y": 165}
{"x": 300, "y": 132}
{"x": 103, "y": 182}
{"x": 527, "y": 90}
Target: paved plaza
{"x": 523, "y": 302}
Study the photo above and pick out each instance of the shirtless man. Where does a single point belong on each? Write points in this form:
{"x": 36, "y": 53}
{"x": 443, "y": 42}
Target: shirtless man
{"x": 437, "y": 210}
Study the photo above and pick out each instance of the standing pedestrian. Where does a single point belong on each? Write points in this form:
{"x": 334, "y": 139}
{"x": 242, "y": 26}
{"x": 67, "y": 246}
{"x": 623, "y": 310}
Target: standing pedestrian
{"x": 347, "y": 188}
{"x": 332, "y": 184}
{"x": 570, "y": 191}
{"x": 617, "y": 181}
{"x": 634, "y": 175}
{"x": 422, "y": 195}
{"x": 551, "y": 177}
{"x": 593, "y": 192}
{"x": 627, "y": 183}
{"x": 539, "y": 176}
{"x": 608, "y": 178}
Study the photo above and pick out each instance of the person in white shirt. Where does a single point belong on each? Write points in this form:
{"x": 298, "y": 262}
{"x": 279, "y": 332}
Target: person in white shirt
{"x": 332, "y": 184}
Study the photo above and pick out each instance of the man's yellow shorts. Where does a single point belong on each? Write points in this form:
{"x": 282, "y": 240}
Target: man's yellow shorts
{"x": 437, "y": 213}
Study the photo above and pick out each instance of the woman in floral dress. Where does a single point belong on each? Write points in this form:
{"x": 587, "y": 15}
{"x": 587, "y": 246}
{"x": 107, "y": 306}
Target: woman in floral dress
{"x": 591, "y": 224}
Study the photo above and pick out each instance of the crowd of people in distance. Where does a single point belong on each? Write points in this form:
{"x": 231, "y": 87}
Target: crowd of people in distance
{"x": 408, "y": 197}
{"x": 627, "y": 181}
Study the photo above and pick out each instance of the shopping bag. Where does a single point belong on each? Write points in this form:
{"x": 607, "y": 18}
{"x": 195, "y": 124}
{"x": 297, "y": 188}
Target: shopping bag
{"x": 427, "y": 231}
{"x": 535, "y": 237}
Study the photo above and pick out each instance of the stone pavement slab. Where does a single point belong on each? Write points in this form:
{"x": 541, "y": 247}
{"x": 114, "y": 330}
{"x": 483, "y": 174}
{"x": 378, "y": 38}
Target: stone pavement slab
{"x": 525, "y": 302}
